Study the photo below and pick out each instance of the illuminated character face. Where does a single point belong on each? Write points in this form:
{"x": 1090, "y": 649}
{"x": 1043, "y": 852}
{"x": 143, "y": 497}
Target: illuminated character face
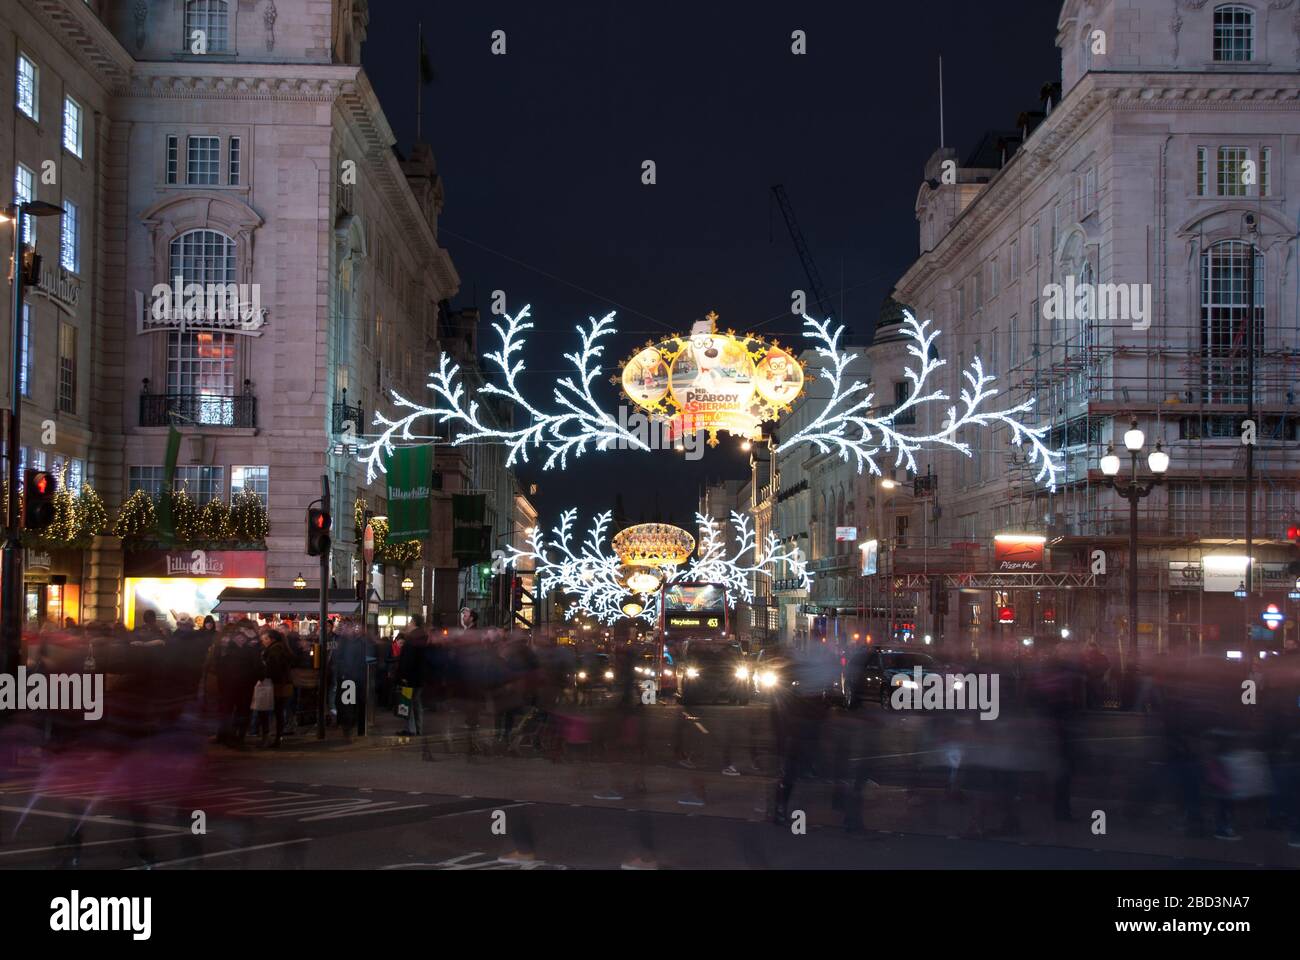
{"x": 707, "y": 358}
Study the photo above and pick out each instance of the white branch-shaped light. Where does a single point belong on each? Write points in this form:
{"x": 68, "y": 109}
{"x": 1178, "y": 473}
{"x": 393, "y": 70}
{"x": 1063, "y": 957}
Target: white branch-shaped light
{"x": 845, "y": 424}
{"x": 589, "y": 575}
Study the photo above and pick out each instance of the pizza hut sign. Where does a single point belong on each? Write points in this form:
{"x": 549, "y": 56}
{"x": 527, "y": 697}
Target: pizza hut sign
{"x": 1018, "y": 553}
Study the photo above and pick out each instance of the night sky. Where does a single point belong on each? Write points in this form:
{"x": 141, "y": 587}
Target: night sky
{"x": 540, "y": 151}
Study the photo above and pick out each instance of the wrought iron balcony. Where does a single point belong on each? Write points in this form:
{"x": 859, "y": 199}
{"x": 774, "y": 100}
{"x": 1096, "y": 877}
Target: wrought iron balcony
{"x": 198, "y": 409}
{"x": 345, "y": 413}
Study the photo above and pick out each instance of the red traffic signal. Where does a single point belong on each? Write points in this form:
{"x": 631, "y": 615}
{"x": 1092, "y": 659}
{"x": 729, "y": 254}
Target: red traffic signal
{"x": 39, "y": 488}
{"x": 319, "y": 523}
{"x": 1293, "y": 533}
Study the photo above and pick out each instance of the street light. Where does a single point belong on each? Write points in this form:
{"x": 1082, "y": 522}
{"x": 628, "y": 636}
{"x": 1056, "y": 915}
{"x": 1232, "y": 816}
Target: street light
{"x": 11, "y": 579}
{"x": 1132, "y": 490}
{"x": 299, "y": 583}
{"x": 407, "y": 586}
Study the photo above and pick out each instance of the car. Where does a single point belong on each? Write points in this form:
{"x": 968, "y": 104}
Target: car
{"x": 872, "y": 673}
{"x": 594, "y": 674}
{"x": 646, "y": 665}
{"x": 710, "y": 671}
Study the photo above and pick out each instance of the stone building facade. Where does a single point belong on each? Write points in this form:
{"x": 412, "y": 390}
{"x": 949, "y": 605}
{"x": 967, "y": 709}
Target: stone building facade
{"x": 232, "y": 142}
{"x": 1168, "y": 159}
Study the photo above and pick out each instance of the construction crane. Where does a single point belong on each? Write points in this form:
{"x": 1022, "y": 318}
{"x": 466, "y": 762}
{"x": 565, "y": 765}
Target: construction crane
{"x": 817, "y": 290}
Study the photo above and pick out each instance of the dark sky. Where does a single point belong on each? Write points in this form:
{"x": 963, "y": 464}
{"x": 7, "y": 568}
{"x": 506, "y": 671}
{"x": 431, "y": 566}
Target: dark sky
{"x": 541, "y": 151}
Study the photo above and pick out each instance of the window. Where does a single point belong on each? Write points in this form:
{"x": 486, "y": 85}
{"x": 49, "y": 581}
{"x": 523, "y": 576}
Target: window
{"x": 993, "y": 278}
{"x": 76, "y": 474}
{"x": 1202, "y": 171}
{"x": 72, "y": 126}
{"x": 212, "y": 17}
{"x": 961, "y": 302}
{"x": 256, "y": 479}
{"x": 1227, "y": 508}
{"x": 24, "y": 192}
{"x": 1184, "y": 507}
{"x": 67, "y": 368}
{"x": 203, "y": 161}
{"x": 1225, "y": 269}
{"x": 1035, "y": 235}
{"x": 70, "y": 242}
{"x": 202, "y": 362}
{"x": 28, "y": 97}
{"x": 1266, "y": 172}
{"x": 1232, "y": 162}
{"x": 979, "y": 289}
{"x": 1015, "y": 260}
{"x": 1089, "y": 191}
{"x": 235, "y": 147}
{"x": 1034, "y": 317}
{"x": 993, "y": 352}
{"x": 201, "y": 483}
{"x": 1234, "y": 33}
{"x": 148, "y": 479}
{"x": 173, "y": 151}
{"x": 1013, "y": 339}
{"x": 25, "y": 353}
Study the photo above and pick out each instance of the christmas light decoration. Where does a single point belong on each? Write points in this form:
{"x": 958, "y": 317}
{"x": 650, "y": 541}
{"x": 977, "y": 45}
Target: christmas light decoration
{"x": 844, "y": 425}
{"x": 598, "y": 583}
{"x": 248, "y": 519}
{"x": 137, "y": 518}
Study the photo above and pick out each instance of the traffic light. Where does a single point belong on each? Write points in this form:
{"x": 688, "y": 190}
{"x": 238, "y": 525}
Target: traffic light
{"x": 39, "y": 487}
{"x": 517, "y": 595}
{"x": 1293, "y": 534}
{"x": 319, "y": 523}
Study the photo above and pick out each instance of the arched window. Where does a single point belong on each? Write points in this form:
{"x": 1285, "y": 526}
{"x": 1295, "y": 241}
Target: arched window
{"x": 201, "y": 363}
{"x": 213, "y": 18}
{"x": 1234, "y": 33}
{"x": 1225, "y": 305}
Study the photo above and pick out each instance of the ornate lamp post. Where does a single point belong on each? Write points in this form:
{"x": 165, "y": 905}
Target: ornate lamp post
{"x": 1133, "y": 490}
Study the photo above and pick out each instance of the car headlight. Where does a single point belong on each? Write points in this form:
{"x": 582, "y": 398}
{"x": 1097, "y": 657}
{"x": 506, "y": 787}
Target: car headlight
{"x": 667, "y": 672}
{"x": 692, "y": 673}
{"x": 582, "y": 674}
{"x": 901, "y": 681}
{"x": 769, "y": 679}
{"x": 609, "y": 674}
{"x": 742, "y": 673}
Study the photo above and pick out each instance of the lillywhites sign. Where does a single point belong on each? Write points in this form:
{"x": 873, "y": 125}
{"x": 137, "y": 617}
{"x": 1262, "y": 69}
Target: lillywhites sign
{"x": 58, "y": 284}
{"x": 410, "y": 473}
{"x": 224, "y": 307}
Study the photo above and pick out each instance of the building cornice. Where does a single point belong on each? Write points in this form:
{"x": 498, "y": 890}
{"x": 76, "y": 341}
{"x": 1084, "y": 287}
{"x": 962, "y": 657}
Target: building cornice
{"x": 1097, "y": 92}
{"x": 318, "y": 83}
{"x": 87, "y": 38}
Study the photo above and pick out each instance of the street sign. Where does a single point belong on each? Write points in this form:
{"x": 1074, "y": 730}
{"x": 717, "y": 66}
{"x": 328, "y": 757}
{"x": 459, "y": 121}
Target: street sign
{"x": 368, "y": 544}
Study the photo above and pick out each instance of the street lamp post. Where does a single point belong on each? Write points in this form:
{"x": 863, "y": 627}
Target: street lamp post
{"x": 1133, "y": 491}
{"x": 11, "y": 580}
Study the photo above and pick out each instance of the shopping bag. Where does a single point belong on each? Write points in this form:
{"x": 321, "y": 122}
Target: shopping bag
{"x": 264, "y": 695}
{"x": 404, "y": 704}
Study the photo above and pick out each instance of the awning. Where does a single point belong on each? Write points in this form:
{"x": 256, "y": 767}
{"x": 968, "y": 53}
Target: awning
{"x": 286, "y": 600}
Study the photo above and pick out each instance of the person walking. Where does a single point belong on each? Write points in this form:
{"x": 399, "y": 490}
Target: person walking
{"x": 278, "y": 659}
{"x": 411, "y": 668}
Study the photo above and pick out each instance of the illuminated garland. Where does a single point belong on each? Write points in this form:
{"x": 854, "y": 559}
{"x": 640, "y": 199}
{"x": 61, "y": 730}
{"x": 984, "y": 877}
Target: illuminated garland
{"x": 846, "y": 428}
{"x": 844, "y": 425}
{"x": 590, "y": 574}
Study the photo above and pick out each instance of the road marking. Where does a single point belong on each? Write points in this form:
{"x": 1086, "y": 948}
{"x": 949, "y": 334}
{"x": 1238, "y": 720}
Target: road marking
{"x": 491, "y": 806}
{"x": 92, "y": 843}
{"x": 58, "y": 815}
{"x": 699, "y": 726}
{"x": 226, "y": 853}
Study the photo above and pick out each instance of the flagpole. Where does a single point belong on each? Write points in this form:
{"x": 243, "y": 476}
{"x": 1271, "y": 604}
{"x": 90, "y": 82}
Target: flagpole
{"x": 419, "y": 80}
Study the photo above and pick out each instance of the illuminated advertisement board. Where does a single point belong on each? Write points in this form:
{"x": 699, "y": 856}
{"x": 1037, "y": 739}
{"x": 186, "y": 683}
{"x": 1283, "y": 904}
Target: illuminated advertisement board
{"x": 700, "y": 606}
{"x": 713, "y": 381}
{"x": 185, "y": 582}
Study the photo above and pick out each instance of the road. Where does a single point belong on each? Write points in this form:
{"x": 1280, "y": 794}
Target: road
{"x": 386, "y": 802}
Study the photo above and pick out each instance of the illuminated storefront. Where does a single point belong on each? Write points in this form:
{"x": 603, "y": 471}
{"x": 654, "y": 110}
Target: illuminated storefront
{"x": 51, "y": 585}
{"x": 173, "y": 582}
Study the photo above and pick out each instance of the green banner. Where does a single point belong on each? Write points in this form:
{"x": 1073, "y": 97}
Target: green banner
{"x": 166, "y": 524}
{"x": 410, "y": 472}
